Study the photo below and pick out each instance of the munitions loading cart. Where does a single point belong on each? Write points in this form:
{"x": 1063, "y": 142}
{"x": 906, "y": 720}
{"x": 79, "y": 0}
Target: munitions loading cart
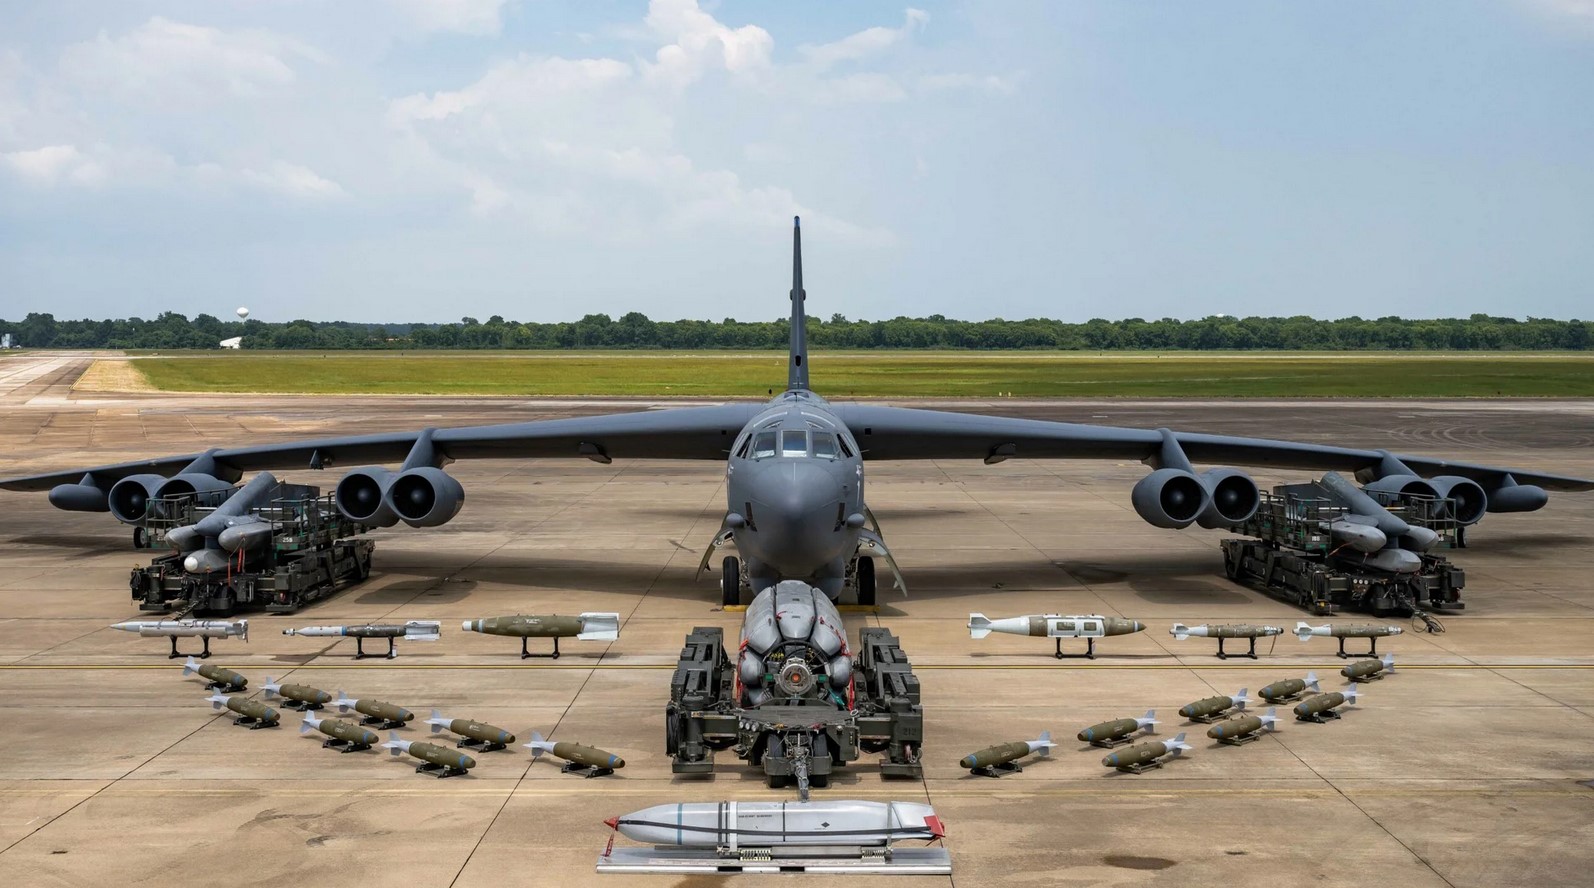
{"x": 797, "y": 739}
{"x": 1291, "y": 554}
{"x": 313, "y": 552}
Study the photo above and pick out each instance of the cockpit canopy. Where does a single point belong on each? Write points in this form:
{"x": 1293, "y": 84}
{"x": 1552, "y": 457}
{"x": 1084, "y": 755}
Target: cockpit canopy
{"x": 773, "y": 441}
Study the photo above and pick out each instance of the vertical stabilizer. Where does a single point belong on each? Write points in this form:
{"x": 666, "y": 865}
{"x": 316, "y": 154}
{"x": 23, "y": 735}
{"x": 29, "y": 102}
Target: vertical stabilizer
{"x": 797, "y": 361}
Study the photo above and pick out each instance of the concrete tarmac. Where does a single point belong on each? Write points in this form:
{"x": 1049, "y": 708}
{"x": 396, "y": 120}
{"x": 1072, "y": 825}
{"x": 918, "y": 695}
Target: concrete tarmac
{"x": 1463, "y": 769}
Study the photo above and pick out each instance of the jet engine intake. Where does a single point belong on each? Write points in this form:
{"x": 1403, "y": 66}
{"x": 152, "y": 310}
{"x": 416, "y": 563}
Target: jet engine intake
{"x": 1170, "y": 498}
{"x": 1407, "y": 484}
{"x": 1468, "y": 502}
{"x": 1234, "y": 498}
{"x": 129, "y": 497}
{"x": 425, "y": 497}
{"x": 186, "y": 483}
{"x": 361, "y": 496}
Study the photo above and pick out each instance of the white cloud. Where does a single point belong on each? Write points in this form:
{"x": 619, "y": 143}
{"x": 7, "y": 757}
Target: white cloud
{"x": 54, "y": 163}
{"x": 1576, "y": 9}
{"x": 988, "y": 82}
{"x": 475, "y": 17}
{"x": 292, "y": 180}
{"x": 700, "y": 42}
{"x": 865, "y": 43}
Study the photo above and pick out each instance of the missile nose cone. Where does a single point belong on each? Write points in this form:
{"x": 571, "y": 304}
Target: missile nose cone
{"x": 612, "y": 823}
{"x": 1139, "y": 626}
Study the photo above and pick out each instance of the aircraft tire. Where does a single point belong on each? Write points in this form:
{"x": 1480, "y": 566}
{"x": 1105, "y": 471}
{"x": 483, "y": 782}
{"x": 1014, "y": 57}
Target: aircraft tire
{"x": 730, "y": 581}
{"x": 865, "y": 581}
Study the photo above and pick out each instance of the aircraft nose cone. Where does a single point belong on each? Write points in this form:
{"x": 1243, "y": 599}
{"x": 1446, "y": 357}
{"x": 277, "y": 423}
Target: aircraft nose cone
{"x": 795, "y": 512}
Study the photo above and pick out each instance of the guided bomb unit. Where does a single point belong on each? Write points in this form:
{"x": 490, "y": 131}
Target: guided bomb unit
{"x": 251, "y": 713}
{"x": 439, "y": 761}
{"x": 1225, "y": 631}
{"x": 175, "y": 629}
{"x": 1288, "y": 689}
{"x": 376, "y": 712}
{"x": 219, "y": 679}
{"x": 1090, "y": 628}
{"x": 477, "y": 735}
{"x": 1243, "y": 729}
{"x": 1111, "y": 734}
{"x": 296, "y": 696}
{"x": 414, "y": 630}
{"x": 1370, "y": 670}
{"x": 1211, "y": 709}
{"x": 1146, "y": 756}
{"x": 994, "y": 761}
{"x": 341, "y": 735}
{"x": 1319, "y": 708}
{"x": 586, "y": 627}
{"x": 1341, "y": 631}
{"x": 588, "y": 761}
{"x": 796, "y": 701}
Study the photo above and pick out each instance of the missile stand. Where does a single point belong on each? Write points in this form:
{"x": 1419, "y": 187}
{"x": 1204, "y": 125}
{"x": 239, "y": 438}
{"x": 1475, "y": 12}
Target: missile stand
{"x": 1089, "y": 654}
{"x": 204, "y": 653}
{"x": 439, "y": 771}
{"x": 526, "y": 654}
{"x": 1224, "y": 655}
{"x": 1001, "y": 769}
{"x": 1318, "y": 718}
{"x": 360, "y": 654}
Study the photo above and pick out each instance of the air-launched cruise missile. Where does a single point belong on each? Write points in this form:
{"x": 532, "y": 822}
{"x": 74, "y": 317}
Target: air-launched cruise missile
{"x": 1288, "y": 689}
{"x": 1371, "y": 631}
{"x": 595, "y": 762}
{"x": 220, "y": 679}
{"x": 1089, "y": 627}
{"x": 344, "y": 736}
{"x": 478, "y": 736}
{"x": 1144, "y": 756}
{"x": 749, "y": 825}
{"x": 1222, "y": 631}
{"x": 230, "y": 528}
{"x": 382, "y": 715}
{"x": 1110, "y": 734}
{"x": 1369, "y": 670}
{"x": 175, "y": 629}
{"x": 251, "y": 713}
{"x": 1210, "y": 709}
{"x": 299, "y": 697}
{"x": 994, "y": 761}
{"x": 1320, "y": 708}
{"x": 438, "y": 760}
{"x": 1242, "y": 730}
{"x": 1365, "y": 514}
{"x": 586, "y": 627}
{"x": 414, "y": 630}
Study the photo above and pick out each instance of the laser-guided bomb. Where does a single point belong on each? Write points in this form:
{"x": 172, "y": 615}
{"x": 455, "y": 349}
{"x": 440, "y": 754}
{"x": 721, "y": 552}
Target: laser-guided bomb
{"x": 586, "y": 627}
{"x": 1210, "y": 709}
{"x": 1111, "y": 734}
{"x": 413, "y": 630}
{"x": 251, "y": 713}
{"x": 589, "y": 759}
{"x": 1322, "y": 707}
{"x": 175, "y": 629}
{"x": 220, "y": 679}
{"x": 1243, "y": 729}
{"x": 1288, "y": 689}
{"x": 296, "y": 696}
{"x": 436, "y": 760}
{"x": 1370, "y": 670}
{"x": 1145, "y": 756}
{"x": 1223, "y": 631}
{"x": 994, "y": 761}
{"x": 1371, "y": 631}
{"x": 478, "y": 735}
{"x": 1089, "y": 627}
{"x": 343, "y": 736}
{"x": 377, "y": 713}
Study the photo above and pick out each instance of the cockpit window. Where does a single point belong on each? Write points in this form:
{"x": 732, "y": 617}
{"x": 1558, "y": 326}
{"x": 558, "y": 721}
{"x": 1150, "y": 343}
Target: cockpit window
{"x": 845, "y": 450}
{"x": 794, "y": 442}
{"x": 763, "y": 445}
{"x": 824, "y": 445}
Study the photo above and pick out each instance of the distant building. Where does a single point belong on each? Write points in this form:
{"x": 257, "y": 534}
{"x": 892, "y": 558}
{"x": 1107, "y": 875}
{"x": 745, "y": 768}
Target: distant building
{"x": 235, "y": 342}
{"x": 5, "y": 340}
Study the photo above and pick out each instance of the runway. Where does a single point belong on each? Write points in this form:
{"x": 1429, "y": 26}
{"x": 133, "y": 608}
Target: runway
{"x": 1465, "y": 768}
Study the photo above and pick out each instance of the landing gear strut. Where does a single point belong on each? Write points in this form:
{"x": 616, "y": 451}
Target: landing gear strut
{"x": 730, "y": 581}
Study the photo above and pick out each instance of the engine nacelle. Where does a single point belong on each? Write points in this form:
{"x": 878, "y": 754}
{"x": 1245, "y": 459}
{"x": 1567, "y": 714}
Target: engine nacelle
{"x": 1234, "y": 498}
{"x": 1510, "y": 498}
{"x": 1170, "y": 498}
{"x": 186, "y": 483}
{"x": 1468, "y": 502}
{"x": 425, "y": 497}
{"x": 1408, "y": 484}
{"x": 129, "y": 498}
{"x": 79, "y": 498}
{"x": 361, "y": 496}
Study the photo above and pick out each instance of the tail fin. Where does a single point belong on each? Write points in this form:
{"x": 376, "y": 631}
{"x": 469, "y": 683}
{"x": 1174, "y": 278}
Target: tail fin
{"x": 1350, "y": 693}
{"x": 1239, "y": 700}
{"x": 271, "y": 687}
{"x": 1303, "y": 630}
{"x": 1311, "y": 681}
{"x": 309, "y": 724}
{"x": 797, "y": 377}
{"x": 1149, "y": 720}
{"x": 1269, "y": 720}
{"x": 1389, "y": 662}
{"x": 190, "y": 667}
{"x": 437, "y": 721}
{"x": 394, "y": 744}
{"x": 537, "y": 745}
{"x": 1180, "y": 631}
{"x": 1177, "y": 745}
{"x": 600, "y": 627}
{"x": 979, "y": 626}
{"x": 343, "y": 702}
{"x": 217, "y": 701}
{"x": 1045, "y": 741}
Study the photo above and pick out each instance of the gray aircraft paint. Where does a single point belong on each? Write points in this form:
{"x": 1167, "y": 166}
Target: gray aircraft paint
{"x": 791, "y": 517}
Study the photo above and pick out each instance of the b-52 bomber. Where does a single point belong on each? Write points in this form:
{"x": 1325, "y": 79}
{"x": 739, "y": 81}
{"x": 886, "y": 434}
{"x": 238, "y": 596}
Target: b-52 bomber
{"x": 795, "y": 505}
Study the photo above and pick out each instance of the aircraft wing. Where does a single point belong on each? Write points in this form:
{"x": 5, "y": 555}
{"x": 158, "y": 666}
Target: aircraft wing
{"x": 683, "y": 433}
{"x": 906, "y": 433}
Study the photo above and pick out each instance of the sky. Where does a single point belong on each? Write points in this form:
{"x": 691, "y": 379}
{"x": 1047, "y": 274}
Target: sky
{"x": 424, "y": 160}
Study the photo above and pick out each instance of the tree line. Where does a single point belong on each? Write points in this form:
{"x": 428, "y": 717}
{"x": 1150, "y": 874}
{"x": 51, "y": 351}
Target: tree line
{"x": 171, "y": 330}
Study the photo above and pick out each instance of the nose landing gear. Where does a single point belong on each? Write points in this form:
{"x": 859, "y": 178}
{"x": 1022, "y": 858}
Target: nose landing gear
{"x": 730, "y": 581}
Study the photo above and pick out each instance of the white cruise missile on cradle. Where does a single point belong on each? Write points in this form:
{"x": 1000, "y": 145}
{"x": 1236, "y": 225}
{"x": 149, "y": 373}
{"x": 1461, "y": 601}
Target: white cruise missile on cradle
{"x": 1221, "y": 631}
{"x": 414, "y": 630}
{"x": 775, "y": 825}
{"x": 175, "y": 629}
{"x": 1371, "y": 631}
{"x": 1089, "y": 627}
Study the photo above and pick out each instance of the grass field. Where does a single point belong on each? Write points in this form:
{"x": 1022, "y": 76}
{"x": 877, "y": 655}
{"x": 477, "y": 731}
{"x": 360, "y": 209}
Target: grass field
{"x": 883, "y": 374}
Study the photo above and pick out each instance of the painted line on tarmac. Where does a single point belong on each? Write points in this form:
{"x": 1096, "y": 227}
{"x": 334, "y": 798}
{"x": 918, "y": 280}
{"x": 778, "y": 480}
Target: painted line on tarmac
{"x": 1295, "y": 665}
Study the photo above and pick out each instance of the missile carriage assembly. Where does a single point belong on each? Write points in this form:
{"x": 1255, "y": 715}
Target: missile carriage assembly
{"x": 796, "y": 701}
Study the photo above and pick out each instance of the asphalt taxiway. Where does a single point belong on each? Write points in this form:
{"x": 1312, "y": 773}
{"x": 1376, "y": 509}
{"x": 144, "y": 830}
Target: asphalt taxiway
{"x": 1463, "y": 769}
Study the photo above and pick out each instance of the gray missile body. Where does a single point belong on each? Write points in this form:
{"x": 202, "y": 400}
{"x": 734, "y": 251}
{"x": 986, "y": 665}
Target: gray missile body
{"x": 219, "y": 678}
{"x": 1341, "y": 631}
{"x": 414, "y": 630}
{"x": 439, "y": 761}
{"x": 1225, "y": 631}
{"x": 251, "y": 713}
{"x": 175, "y": 629}
{"x": 231, "y": 528}
{"x": 775, "y": 825}
{"x": 343, "y": 736}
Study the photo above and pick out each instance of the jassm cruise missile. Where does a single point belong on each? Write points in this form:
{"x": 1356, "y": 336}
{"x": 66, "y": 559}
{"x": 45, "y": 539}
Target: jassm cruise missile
{"x": 251, "y": 713}
{"x": 1320, "y": 708}
{"x": 414, "y": 630}
{"x": 438, "y": 760}
{"x": 994, "y": 761}
{"x": 376, "y": 712}
{"x": 1144, "y": 756}
{"x": 1210, "y": 709}
{"x": 1242, "y": 730}
{"x": 737, "y": 825}
{"x": 596, "y": 762}
{"x": 1109, "y": 734}
{"x": 1089, "y": 627}
{"x": 1373, "y": 631}
{"x": 219, "y": 678}
{"x": 1222, "y": 631}
{"x": 299, "y": 697}
{"x": 478, "y": 735}
{"x": 586, "y": 627}
{"x": 342, "y": 736}
{"x": 175, "y": 629}
{"x": 1370, "y": 670}
{"x": 1288, "y": 689}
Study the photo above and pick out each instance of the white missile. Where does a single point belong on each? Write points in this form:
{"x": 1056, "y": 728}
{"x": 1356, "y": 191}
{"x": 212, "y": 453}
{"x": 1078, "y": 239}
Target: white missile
{"x": 1305, "y": 631}
{"x": 1224, "y": 630}
{"x": 734, "y": 825}
{"x": 1351, "y": 530}
{"x": 1054, "y": 626}
{"x": 175, "y": 629}
{"x": 414, "y": 630}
